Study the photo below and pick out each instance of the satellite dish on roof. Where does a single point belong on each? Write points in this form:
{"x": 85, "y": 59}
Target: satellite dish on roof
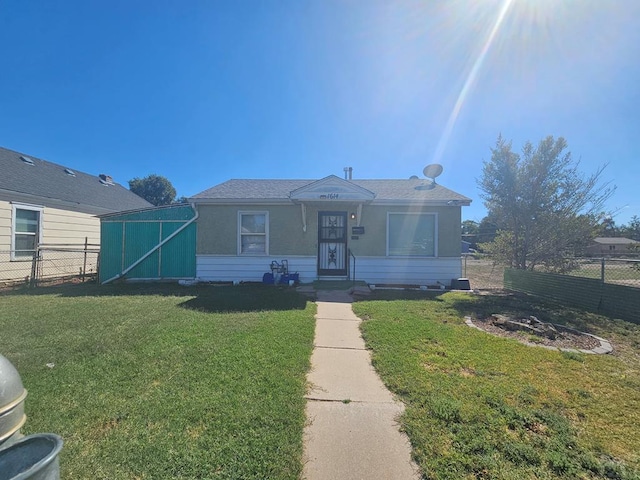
{"x": 432, "y": 171}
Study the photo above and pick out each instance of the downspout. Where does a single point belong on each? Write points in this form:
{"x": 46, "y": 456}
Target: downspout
{"x": 146, "y": 255}
{"x": 303, "y": 209}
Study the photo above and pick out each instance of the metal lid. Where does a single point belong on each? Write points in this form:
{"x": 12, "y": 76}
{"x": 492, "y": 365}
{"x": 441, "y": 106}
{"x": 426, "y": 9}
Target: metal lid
{"x": 12, "y": 395}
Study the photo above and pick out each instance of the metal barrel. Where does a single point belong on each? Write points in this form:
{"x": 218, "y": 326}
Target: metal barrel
{"x": 34, "y": 457}
{"x": 12, "y": 395}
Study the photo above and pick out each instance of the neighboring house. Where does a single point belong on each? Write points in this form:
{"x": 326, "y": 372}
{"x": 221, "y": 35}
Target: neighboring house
{"x": 395, "y": 231}
{"x": 45, "y": 203}
{"x": 606, "y": 246}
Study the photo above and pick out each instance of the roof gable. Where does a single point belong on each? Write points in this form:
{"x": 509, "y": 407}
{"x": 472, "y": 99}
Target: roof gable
{"x": 614, "y": 241}
{"x": 332, "y": 188}
{"x": 394, "y": 191}
{"x": 51, "y": 184}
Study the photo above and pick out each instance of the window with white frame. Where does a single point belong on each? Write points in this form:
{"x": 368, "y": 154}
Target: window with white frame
{"x": 27, "y": 223}
{"x": 411, "y": 234}
{"x": 253, "y": 233}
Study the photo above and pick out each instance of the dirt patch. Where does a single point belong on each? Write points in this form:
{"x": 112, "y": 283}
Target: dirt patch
{"x": 565, "y": 338}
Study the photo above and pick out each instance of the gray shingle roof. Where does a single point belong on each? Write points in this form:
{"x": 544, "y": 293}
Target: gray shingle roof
{"x": 410, "y": 190}
{"x": 614, "y": 240}
{"x": 48, "y": 180}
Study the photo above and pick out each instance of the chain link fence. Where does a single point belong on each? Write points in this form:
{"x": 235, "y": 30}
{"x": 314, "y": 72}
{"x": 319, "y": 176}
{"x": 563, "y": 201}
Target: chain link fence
{"x": 485, "y": 274}
{"x": 50, "y": 264}
{"x": 618, "y": 271}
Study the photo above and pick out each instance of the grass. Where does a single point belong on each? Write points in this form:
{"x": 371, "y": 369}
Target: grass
{"x": 164, "y": 382}
{"x": 483, "y": 273}
{"x": 479, "y": 406}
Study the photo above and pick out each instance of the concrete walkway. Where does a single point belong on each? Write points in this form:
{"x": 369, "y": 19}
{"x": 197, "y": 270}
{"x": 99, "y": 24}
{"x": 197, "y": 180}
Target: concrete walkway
{"x": 351, "y": 430}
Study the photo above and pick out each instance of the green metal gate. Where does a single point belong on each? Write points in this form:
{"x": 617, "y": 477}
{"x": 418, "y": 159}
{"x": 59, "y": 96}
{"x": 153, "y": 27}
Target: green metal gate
{"x": 152, "y": 244}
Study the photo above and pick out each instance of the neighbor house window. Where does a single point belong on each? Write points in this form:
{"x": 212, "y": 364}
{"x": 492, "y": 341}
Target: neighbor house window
{"x": 411, "y": 234}
{"x": 26, "y": 231}
{"x": 253, "y": 233}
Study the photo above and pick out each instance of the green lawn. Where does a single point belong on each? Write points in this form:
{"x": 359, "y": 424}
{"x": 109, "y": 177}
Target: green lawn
{"x": 159, "y": 382}
{"x": 485, "y": 407}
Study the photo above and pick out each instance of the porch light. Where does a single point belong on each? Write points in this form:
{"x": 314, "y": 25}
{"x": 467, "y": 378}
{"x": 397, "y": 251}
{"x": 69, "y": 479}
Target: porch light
{"x": 353, "y": 216}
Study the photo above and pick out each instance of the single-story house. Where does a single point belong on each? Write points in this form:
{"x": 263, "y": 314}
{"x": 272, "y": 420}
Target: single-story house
{"x": 378, "y": 231}
{"x": 607, "y": 246}
{"x": 45, "y": 203}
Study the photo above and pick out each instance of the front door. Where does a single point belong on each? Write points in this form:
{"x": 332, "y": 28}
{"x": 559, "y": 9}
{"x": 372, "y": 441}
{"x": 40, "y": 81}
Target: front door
{"x": 332, "y": 243}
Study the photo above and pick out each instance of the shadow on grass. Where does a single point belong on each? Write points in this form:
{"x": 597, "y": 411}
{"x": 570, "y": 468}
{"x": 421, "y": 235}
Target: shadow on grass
{"x": 246, "y": 299}
{"x": 203, "y": 297}
{"x": 524, "y": 305}
{"x": 392, "y": 295}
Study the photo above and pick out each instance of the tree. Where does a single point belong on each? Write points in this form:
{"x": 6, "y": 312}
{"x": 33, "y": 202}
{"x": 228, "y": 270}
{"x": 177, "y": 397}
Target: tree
{"x": 632, "y": 229}
{"x": 470, "y": 232}
{"x": 154, "y": 189}
{"x": 544, "y": 208}
{"x": 608, "y": 228}
{"x": 487, "y": 230}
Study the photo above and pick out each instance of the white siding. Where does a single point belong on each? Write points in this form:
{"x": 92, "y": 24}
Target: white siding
{"x": 58, "y": 227}
{"x": 9, "y": 270}
{"x": 413, "y": 270}
{"x": 63, "y": 226}
{"x": 229, "y": 268}
{"x": 377, "y": 270}
{"x": 5, "y": 226}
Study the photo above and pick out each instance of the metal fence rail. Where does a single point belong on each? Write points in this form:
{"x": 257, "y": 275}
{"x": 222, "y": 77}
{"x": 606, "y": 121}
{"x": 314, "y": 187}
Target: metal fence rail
{"x": 50, "y": 263}
{"x": 485, "y": 274}
{"x": 618, "y": 271}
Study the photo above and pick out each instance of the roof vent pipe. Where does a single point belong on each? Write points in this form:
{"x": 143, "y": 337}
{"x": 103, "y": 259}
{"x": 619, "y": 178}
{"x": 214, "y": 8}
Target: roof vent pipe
{"x": 348, "y": 173}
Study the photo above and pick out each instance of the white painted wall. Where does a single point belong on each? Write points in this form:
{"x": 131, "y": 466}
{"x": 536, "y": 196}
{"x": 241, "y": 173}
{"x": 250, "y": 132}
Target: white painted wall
{"x": 376, "y": 270}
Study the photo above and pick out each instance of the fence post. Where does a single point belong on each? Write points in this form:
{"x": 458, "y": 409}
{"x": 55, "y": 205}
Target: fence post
{"x": 84, "y": 265}
{"x": 34, "y": 268}
{"x": 602, "y": 269}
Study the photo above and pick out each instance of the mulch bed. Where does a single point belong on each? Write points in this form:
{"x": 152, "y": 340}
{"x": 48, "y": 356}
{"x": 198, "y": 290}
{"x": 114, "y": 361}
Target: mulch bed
{"x": 565, "y": 338}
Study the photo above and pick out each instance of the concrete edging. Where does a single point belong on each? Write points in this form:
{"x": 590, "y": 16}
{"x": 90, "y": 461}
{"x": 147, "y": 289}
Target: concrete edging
{"x": 604, "y": 348}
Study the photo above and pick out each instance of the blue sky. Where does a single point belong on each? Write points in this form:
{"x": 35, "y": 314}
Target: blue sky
{"x": 204, "y": 91}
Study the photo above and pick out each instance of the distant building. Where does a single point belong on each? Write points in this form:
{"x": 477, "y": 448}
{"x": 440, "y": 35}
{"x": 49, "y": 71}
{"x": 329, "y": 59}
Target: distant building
{"x": 607, "y": 246}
